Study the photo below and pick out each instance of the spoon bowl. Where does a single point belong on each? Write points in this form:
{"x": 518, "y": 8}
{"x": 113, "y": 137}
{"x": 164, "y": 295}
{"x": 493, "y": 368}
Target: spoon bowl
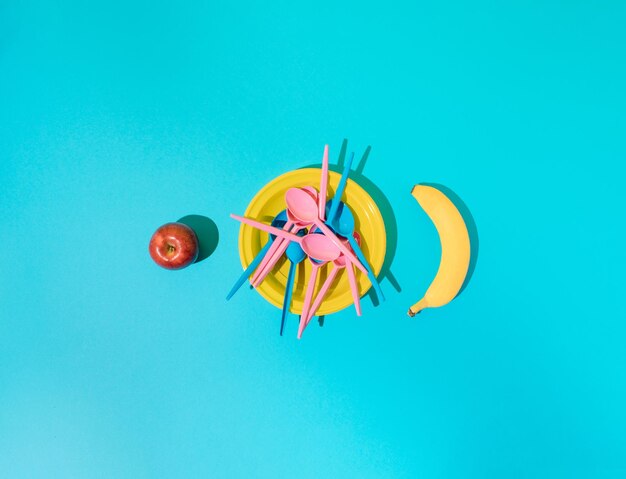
{"x": 300, "y": 204}
{"x": 319, "y": 247}
{"x": 294, "y": 252}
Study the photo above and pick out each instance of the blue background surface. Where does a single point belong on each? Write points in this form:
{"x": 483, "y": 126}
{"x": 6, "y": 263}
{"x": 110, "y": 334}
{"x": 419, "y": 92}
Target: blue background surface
{"x": 116, "y": 117}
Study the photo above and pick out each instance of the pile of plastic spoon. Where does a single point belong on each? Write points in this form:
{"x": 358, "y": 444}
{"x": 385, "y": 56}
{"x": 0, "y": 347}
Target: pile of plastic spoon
{"x": 314, "y": 228}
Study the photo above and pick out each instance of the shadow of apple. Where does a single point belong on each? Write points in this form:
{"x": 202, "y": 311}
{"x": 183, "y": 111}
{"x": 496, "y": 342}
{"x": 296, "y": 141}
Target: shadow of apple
{"x": 206, "y": 231}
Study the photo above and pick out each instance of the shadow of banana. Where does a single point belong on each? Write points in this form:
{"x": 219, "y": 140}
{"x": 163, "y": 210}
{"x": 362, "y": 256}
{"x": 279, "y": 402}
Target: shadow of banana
{"x": 471, "y": 228}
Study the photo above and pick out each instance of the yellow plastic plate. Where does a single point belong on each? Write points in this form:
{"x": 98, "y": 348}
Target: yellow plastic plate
{"x": 271, "y": 200}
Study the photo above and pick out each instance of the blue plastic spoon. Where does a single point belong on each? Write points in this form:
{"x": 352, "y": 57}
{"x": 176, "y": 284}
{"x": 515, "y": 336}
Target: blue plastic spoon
{"x": 344, "y": 225}
{"x": 279, "y": 221}
{"x": 296, "y": 255}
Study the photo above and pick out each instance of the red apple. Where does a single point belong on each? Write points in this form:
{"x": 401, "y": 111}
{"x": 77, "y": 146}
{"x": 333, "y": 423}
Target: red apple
{"x": 174, "y": 246}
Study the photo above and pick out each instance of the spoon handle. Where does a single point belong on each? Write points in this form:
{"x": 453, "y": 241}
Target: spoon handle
{"x": 268, "y": 229}
{"x": 370, "y": 273}
{"x": 271, "y": 258}
{"x": 323, "y": 185}
{"x": 322, "y": 294}
{"x": 339, "y": 244}
{"x": 249, "y": 269}
{"x": 256, "y": 277}
{"x": 266, "y": 268}
{"x": 355, "y": 288}
{"x": 307, "y": 299}
{"x": 288, "y": 293}
{"x": 330, "y": 219}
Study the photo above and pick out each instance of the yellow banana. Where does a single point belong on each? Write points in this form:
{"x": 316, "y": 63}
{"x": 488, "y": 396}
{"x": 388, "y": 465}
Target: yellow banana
{"x": 455, "y": 248}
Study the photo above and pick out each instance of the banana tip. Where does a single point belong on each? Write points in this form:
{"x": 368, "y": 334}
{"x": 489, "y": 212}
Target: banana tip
{"x": 412, "y": 312}
{"x": 417, "y": 189}
{"x": 417, "y": 307}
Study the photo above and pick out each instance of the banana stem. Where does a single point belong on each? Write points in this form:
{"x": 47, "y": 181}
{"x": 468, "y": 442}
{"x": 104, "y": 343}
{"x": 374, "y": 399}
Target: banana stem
{"x": 417, "y": 307}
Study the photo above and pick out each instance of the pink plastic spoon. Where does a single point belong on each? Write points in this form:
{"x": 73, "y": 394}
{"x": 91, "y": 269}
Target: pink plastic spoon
{"x": 304, "y": 208}
{"x": 339, "y": 264}
{"x": 322, "y": 249}
{"x": 267, "y": 228}
{"x": 279, "y": 246}
{"x": 272, "y": 257}
{"x": 321, "y": 200}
